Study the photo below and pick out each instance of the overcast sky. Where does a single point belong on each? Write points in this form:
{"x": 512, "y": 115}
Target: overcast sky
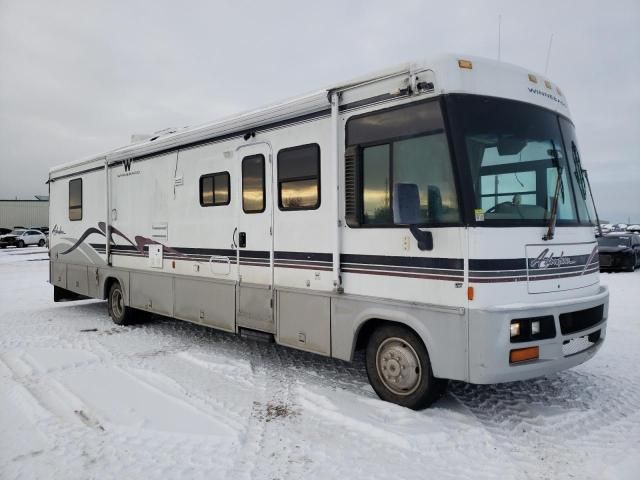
{"x": 79, "y": 77}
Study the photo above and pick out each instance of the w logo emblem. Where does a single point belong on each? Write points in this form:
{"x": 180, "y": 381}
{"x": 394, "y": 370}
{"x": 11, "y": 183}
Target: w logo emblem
{"x": 127, "y": 164}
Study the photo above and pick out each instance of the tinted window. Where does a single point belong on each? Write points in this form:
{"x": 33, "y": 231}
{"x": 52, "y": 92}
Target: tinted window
{"x": 215, "y": 189}
{"x": 405, "y": 146}
{"x": 376, "y": 180}
{"x": 253, "y": 184}
{"x": 75, "y": 199}
{"x": 299, "y": 178}
{"x": 397, "y": 123}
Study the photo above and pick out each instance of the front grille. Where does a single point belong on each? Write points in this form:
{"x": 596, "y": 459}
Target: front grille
{"x": 580, "y": 344}
{"x": 605, "y": 260}
{"x": 572, "y": 322}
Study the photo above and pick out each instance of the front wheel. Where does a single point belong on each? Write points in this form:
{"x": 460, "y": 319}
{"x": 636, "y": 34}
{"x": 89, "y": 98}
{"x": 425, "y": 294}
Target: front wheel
{"x": 19, "y": 244}
{"x": 399, "y": 368}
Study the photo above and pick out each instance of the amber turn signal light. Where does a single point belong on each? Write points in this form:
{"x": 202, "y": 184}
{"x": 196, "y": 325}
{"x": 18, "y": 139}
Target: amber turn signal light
{"x": 524, "y": 354}
{"x": 465, "y": 64}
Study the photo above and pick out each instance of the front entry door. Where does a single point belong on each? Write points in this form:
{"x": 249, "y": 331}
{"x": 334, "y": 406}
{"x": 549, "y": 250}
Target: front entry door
{"x": 254, "y": 239}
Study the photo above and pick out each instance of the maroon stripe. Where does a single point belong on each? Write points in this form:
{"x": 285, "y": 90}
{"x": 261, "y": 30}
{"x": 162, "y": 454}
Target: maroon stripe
{"x": 532, "y": 278}
{"x": 405, "y": 275}
{"x": 305, "y": 267}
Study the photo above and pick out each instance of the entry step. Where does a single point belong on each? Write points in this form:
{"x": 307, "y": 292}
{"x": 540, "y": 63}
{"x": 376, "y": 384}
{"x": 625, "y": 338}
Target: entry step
{"x": 256, "y": 335}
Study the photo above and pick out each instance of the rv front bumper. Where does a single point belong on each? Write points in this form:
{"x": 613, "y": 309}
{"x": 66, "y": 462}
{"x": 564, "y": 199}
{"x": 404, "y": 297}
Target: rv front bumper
{"x": 490, "y": 339}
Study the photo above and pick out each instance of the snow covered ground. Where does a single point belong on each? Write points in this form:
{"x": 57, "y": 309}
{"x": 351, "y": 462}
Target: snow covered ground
{"x": 81, "y": 398}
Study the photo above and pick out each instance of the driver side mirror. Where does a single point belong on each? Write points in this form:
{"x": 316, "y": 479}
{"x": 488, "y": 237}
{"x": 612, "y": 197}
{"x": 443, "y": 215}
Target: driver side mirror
{"x": 406, "y": 211}
{"x": 406, "y": 204}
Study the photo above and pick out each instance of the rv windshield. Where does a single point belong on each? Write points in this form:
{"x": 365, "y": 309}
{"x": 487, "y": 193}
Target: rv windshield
{"x": 515, "y": 152}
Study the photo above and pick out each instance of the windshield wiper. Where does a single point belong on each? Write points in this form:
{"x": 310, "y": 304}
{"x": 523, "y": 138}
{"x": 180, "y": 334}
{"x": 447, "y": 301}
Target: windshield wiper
{"x": 593, "y": 202}
{"x": 583, "y": 177}
{"x": 551, "y": 229}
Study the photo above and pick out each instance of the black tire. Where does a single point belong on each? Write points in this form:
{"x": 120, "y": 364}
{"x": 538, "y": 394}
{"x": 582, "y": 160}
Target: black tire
{"x": 119, "y": 312}
{"x": 41, "y": 243}
{"x": 393, "y": 349}
{"x": 19, "y": 244}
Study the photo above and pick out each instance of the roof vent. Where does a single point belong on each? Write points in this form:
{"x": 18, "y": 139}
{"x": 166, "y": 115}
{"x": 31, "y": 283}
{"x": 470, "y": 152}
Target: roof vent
{"x": 139, "y": 137}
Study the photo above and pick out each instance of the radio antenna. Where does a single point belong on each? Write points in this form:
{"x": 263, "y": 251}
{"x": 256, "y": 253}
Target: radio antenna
{"x": 546, "y": 67}
{"x": 499, "y": 32}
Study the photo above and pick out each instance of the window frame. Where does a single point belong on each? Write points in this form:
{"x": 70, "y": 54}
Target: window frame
{"x": 264, "y": 184}
{"x": 76, "y": 207}
{"x": 212, "y": 176}
{"x": 318, "y": 177}
{"x": 453, "y": 162}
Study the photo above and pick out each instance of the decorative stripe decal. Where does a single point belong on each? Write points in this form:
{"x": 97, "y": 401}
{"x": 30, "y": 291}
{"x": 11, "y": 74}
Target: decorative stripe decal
{"x": 433, "y": 268}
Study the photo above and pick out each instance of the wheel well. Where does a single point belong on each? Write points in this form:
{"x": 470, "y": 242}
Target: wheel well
{"x": 367, "y": 329}
{"x": 107, "y": 286}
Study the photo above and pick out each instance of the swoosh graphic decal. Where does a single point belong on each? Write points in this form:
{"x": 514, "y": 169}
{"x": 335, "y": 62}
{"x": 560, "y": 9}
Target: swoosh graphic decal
{"x": 594, "y": 253}
{"x": 101, "y": 231}
{"x": 82, "y": 238}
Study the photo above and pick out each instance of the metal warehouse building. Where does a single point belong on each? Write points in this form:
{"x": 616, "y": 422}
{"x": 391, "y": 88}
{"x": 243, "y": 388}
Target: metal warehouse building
{"x": 24, "y": 213}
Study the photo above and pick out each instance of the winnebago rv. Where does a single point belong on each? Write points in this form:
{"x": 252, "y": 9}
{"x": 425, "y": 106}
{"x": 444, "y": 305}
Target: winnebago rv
{"x": 434, "y": 215}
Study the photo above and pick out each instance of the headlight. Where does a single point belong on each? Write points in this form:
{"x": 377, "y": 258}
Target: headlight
{"x": 535, "y": 327}
{"x": 532, "y": 328}
{"x": 515, "y": 329}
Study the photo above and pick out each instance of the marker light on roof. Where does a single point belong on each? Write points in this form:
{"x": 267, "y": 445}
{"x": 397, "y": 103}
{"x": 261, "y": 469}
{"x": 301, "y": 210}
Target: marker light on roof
{"x": 465, "y": 64}
{"x": 558, "y": 90}
{"x": 547, "y": 84}
{"x": 532, "y": 78}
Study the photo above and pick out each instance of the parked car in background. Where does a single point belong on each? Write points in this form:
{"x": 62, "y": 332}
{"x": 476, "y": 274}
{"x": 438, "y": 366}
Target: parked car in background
{"x": 44, "y": 230}
{"x": 4, "y": 231}
{"x": 21, "y": 238}
{"x": 633, "y": 228}
{"x": 619, "y": 251}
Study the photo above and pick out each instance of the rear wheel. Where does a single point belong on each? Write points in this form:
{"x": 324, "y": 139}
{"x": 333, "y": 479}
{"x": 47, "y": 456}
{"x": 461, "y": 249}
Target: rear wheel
{"x": 120, "y": 313}
{"x": 399, "y": 368}
{"x": 41, "y": 243}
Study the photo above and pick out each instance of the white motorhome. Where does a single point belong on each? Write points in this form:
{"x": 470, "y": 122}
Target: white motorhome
{"x": 434, "y": 214}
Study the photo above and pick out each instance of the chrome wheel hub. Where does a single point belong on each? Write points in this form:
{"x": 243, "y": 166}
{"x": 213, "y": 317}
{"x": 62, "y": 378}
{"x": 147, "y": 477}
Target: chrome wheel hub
{"x": 117, "y": 303}
{"x": 398, "y": 366}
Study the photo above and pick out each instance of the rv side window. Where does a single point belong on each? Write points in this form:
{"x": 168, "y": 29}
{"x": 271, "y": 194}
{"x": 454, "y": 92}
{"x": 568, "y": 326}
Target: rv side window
{"x": 299, "y": 178}
{"x": 405, "y": 145}
{"x": 215, "y": 189}
{"x": 253, "y": 184}
{"x": 75, "y": 199}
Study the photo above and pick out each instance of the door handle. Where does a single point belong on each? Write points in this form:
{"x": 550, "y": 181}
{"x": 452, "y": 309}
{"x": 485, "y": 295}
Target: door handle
{"x": 242, "y": 239}
{"x": 233, "y": 238}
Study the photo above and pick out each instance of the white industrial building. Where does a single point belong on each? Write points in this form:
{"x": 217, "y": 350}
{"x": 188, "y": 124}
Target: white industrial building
{"x": 24, "y": 213}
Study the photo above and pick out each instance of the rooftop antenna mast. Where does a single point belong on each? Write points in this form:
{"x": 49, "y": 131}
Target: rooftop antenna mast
{"x": 546, "y": 67}
{"x": 499, "y": 34}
